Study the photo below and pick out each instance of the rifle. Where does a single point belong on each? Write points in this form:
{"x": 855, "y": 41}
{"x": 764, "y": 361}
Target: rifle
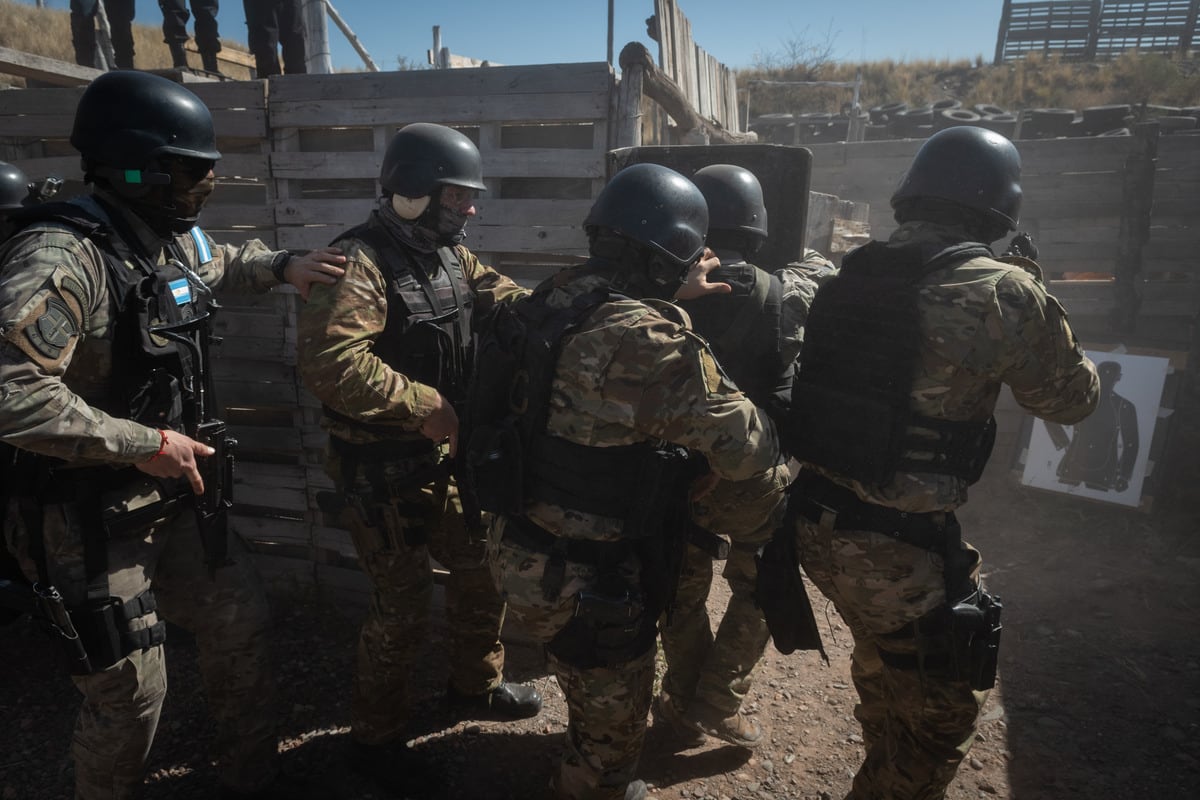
{"x": 212, "y": 507}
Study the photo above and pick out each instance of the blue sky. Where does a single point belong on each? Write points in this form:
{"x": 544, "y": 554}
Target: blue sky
{"x": 736, "y": 32}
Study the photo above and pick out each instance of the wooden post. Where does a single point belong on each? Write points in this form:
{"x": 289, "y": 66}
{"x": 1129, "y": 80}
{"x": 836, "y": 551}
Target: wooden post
{"x": 629, "y": 107}
{"x": 1002, "y": 34}
{"x": 1189, "y": 29}
{"x": 1093, "y": 39}
{"x": 659, "y": 86}
{"x": 350, "y": 37}
{"x": 107, "y": 55}
{"x": 316, "y": 38}
{"x": 1134, "y": 232}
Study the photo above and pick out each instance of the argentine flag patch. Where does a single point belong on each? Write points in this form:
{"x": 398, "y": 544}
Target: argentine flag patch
{"x": 181, "y": 291}
{"x": 202, "y": 248}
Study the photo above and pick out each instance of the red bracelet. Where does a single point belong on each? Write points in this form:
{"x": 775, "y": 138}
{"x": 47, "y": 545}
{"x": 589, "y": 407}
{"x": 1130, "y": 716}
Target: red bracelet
{"x": 162, "y": 446}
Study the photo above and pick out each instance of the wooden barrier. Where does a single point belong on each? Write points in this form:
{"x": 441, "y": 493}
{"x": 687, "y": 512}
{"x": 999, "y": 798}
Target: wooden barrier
{"x": 301, "y": 155}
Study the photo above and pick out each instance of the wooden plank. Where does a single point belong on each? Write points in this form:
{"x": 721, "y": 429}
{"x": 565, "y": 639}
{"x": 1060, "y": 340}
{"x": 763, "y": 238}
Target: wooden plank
{"x": 219, "y": 216}
{"x": 540, "y": 79}
{"x": 233, "y": 94}
{"x": 446, "y": 110}
{"x": 549, "y": 163}
{"x": 47, "y": 70}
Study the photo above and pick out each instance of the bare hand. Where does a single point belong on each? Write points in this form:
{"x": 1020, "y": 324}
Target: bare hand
{"x": 442, "y": 424}
{"x": 178, "y": 460}
{"x": 697, "y": 284}
{"x": 315, "y": 266}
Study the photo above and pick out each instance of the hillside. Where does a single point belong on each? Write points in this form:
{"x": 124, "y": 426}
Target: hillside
{"x": 47, "y": 32}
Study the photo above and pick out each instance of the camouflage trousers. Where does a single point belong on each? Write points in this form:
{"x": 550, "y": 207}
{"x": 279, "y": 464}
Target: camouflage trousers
{"x": 918, "y": 725}
{"x": 394, "y": 549}
{"x": 700, "y": 666}
{"x": 230, "y": 618}
{"x": 606, "y": 706}
{"x": 716, "y": 669}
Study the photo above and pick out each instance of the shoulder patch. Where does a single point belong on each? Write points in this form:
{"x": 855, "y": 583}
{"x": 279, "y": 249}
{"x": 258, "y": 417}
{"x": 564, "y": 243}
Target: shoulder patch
{"x": 52, "y": 331}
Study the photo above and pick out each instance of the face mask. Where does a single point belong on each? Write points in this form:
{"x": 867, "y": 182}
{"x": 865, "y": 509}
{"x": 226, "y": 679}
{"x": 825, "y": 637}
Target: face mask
{"x": 174, "y": 208}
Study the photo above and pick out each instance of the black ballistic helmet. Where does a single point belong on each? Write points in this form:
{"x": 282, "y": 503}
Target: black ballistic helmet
{"x": 423, "y": 156}
{"x": 656, "y": 207}
{"x": 14, "y": 188}
{"x": 970, "y": 166}
{"x": 125, "y": 119}
{"x": 735, "y": 199}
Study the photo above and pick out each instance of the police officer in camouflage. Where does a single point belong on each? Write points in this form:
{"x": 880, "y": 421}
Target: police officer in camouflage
{"x": 386, "y": 351}
{"x": 755, "y": 333}
{"x": 105, "y": 303}
{"x": 904, "y": 354}
{"x": 609, "y": 397}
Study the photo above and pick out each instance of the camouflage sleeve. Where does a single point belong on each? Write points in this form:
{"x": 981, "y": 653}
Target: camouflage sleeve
{"x": 490, "y": 286}
{"x": 1043, "y": 364}
{"x": 50, "y": 284}
{"x": 231, "y": 269}
{"x": 799, "y": 289}
{"x": 664, "y": 378}
{"x": 336, "y": 332}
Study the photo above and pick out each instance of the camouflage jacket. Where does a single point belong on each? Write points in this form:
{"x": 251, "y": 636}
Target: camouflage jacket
{"x": 800, "y": 283}
{"x": 633, "y": 372}
{"x": 48, "y": 274}
{"x": 339, "y": 326}
{"x": 984, "y": 323}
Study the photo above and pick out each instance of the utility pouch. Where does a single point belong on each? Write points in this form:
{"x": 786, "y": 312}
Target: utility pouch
{"x": 608, "y": 629}
{"x": 495, "y": 465}
{"x": 976, "y": 628}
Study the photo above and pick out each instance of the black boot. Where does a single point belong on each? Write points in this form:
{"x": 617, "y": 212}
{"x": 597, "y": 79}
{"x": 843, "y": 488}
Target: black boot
{"x": 506, "y": 701}
{"x": 394, "y": 769}
{"x": 209, "y": 60}
{"x": 178, "y": 54}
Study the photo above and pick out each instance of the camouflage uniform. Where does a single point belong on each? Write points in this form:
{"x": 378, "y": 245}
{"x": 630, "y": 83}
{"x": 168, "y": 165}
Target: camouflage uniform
{"x": 419, "y": 513}
{"x": 983, "y": 323}
{"x": 715, "y": 670}
{"x": 51, "y": 278}
{"x": 631, "y": 373}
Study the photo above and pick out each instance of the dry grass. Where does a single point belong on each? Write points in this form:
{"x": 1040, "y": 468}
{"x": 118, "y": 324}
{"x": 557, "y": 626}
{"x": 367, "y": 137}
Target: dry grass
{"x": 47, "y": 32}
{"x": 1035, "y": 82}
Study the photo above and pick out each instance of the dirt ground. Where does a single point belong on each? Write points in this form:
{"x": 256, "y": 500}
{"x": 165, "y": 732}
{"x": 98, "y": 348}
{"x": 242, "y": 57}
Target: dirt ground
{"x": 1099, "y": 692}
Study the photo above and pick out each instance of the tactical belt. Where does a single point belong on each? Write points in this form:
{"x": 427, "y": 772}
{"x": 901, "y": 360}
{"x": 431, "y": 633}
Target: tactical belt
{"x": 526, "y": 534}
{"x": 814, "y": 496}
{"x": 380, "y": 452}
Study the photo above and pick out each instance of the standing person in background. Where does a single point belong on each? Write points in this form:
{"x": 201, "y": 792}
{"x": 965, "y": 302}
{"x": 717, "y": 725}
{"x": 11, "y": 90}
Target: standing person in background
{"x": 755, "y": 332}
{"x": 174, "y": 27}
{"x": 83, "y": 31}
{"x": 271, "y": 24}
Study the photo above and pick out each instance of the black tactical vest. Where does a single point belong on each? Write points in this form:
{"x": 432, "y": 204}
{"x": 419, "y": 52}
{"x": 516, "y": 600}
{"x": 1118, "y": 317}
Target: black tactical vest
{"x": 511, "y": 458}
{"x": 161, "y": 327}
{"x": 427, "y": 334}
{"x": 850, "y": 410}
{"x": 743, "y": 329}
